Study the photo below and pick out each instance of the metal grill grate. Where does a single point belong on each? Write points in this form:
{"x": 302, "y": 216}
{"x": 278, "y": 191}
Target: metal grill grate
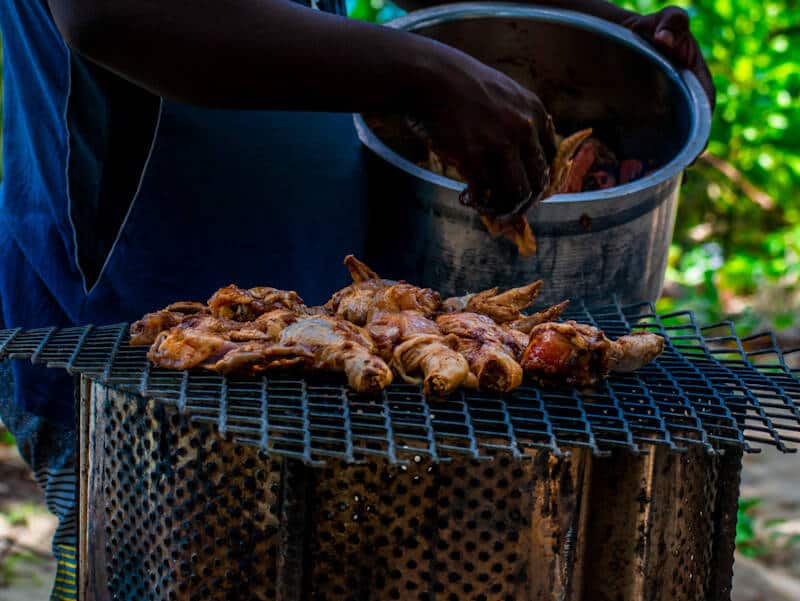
{"x": 706, "y": 389}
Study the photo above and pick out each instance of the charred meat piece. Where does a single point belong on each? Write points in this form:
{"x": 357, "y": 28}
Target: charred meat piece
{"x": 629, "y": 170}
{"x": 239, "y": 304}
{"x": 580, "y": 355}
{"x": 274, "y": 322}
{"x": 353, "y": 302}
{"x": 515, "y": 228}
{"x": 502, "y": 307}
{"x": 146, "y": 330}
{"x": 369, "y": 295}
{"x": 491, "y": 350}
{"x": 418, "y": 351}
{"x": 185, "y": 348}
{"x": 188, "y": 307}
{"x": 255, "y": 357}
{"x": 562, "y": 163}
{"x": 404, "y": 297}
{"x": 339, "y": 346}
{"x": 202, "y": 340}
{"x": 528, "y": 322}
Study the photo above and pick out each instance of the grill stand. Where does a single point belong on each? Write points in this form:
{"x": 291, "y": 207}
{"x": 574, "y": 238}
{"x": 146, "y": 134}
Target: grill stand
{"x": 172, "y": 510}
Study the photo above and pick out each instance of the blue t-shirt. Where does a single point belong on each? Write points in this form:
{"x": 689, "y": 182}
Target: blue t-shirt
{"x": 115, "y": 201}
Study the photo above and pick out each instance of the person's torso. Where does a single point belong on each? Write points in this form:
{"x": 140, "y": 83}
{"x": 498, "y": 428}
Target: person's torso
{"x": 119, "y": 200}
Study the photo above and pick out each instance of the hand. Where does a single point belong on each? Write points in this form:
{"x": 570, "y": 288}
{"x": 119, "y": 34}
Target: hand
{"x": 496, "y": 133}
{"x": 668, "y": 30}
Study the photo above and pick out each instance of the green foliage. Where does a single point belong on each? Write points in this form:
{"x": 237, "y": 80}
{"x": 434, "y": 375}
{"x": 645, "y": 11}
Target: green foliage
{"x": 737, "y": 239}
{"x": 11, "y": 567}
{"x": 746, "y": 541}
{"x": 6, "y": 438}
{"x": 374, "y": 11}
{"x": 17, "y": 515}
{"x": 756, "y": 538}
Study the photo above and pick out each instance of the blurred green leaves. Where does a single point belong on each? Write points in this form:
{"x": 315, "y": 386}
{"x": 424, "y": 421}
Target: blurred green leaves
{"x": 737, "y": 241}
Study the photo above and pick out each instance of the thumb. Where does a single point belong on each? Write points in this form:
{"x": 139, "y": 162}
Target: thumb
{"x": 665, "y": 37}
{"x": 672, "y": 22}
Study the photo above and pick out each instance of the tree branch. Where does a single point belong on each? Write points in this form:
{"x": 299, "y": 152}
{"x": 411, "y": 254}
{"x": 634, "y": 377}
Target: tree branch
{"x": 757, "y": 195}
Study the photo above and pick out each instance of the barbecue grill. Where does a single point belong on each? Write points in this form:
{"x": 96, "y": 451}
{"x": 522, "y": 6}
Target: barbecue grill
{"x": 199, "y": 486}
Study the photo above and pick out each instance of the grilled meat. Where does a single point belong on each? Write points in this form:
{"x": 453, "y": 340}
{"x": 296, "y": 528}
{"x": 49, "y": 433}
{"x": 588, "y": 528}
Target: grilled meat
{"x": 146, "y": 330}
{"x": 276, "y": 339}
{"x": 257, "y": 356}
{"x": 414, "y": 345}
{"x": 480, "y": 340}
{"x": 185, "y": 348}
{"x": 563, "y": 161}
{"x": 370, "y": 295}
{"x": 202, "y": 340}
{"x": 527, "y": 322}
{"x": 581, "y": 355}
{"x": 515, "y": 228}
{"x": 404, "y": 297}
{"x": 232, "y": 302}
{"x": 501, "y": 307}
{"x": 491, "y": 350}
{"x": 340, "y": 346}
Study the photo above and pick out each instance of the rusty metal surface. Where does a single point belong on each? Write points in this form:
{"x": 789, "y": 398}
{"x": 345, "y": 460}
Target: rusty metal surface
{"x": 175, "y": 511}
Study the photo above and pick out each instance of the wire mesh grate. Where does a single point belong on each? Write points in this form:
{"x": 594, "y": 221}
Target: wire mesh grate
{"x": 709, "y": 388}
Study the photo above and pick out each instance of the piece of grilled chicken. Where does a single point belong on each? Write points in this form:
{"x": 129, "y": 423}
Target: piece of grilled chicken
{"x": 239, "y": 304}
{"x": 146, "y": 330}
{"x": 580, "y": 355}
{"x": 502, "y": 307}
{"x": 224, "y": 345}
{"x": 526, "y": 323}
{"x": 339, "y": 346}
{"x": 370, "y": 295}
{"x": 491, "y": 350}
{"x": 277, "y": 339}
{"x": 419, "y": 353}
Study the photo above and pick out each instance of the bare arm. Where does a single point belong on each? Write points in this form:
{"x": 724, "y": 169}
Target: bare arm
{"x": 274, "y": 54}
{"x": 270, "y": 54}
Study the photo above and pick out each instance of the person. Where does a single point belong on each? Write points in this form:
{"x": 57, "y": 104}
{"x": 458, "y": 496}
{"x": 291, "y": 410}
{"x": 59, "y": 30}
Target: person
{"x": 158, "y": 149}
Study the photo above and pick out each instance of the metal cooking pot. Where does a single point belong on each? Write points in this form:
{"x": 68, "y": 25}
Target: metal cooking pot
{"x": 591, "y": 245}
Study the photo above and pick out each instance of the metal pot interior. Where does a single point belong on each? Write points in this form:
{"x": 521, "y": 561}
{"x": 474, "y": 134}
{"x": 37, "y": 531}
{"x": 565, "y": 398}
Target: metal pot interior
{"x": 585, "y": 79}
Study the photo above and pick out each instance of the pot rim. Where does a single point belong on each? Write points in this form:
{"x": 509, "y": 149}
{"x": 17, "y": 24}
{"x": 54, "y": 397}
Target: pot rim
{"x": 685, "y": 80}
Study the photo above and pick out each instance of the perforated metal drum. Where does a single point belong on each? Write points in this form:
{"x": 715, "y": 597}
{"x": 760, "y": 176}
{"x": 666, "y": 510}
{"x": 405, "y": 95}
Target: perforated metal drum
{"x": 172, "y": 510}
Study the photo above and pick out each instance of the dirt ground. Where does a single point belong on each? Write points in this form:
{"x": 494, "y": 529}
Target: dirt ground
{"x": 27, "y": 569}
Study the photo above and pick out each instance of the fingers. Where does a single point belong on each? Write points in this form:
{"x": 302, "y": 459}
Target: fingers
{"x": 673, "y": 36}
{"x": 665, "y": 37}
{"x": 537, "y": 165}
{"x": 672, "y": 19}
{"x": 513, "y": 189}
{"x": 503, "y": 187}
